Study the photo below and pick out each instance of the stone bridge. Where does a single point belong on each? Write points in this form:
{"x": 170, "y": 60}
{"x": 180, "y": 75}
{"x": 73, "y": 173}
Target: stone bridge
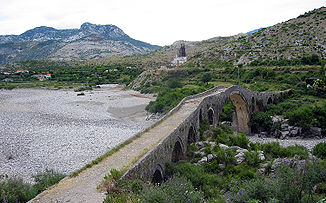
{"x": 165, "y": 141}
{"x": 184, "y": 123}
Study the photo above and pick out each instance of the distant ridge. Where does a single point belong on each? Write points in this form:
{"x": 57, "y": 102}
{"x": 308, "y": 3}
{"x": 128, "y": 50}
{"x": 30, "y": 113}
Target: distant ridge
{"x": 88, "y": 42}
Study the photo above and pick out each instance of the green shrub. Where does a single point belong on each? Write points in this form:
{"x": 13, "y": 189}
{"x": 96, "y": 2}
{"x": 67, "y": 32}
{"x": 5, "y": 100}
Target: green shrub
{"x": 197, "y": 175}
{"x": 118, "y": 198}
{"x": 302, "y": 117}
{"x": 175, "y": 190}
{"x": 252, "y": 159}
{"x": 320, "y": 150}
{"x": 15, "y": 190}
{"x": 258, "y": 189}
{"x": 297, "y": 150}
{"x": 241, "y": 140}
{"x": 192, "y": 148}
{"x": 226, "y": 156}
{"x": 260, "y": 121}
{"x": 46, "y": 179}
{"x": 286, "y": 185}
{"x": 227, "y": 112}
{"x": 136, "y": 186}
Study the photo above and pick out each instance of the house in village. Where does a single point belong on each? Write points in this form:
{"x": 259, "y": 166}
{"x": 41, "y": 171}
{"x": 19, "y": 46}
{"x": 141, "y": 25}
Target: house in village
{"x": 22, "y": 71}
{"x": 42, "y": 77}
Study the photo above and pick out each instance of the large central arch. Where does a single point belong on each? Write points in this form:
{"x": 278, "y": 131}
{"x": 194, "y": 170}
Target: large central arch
{"x": 242, "y": 115}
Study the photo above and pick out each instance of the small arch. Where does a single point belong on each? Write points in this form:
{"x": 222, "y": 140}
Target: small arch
{"x": 269, "y": 101}
{"x": 253, "y": 104}
{"x": 210, "y": 114}
{"x": 157, "y": 177}
{"x": 200, "y": 116}
{"x": 177, "y": 153}
{"x": 191, "y": 135}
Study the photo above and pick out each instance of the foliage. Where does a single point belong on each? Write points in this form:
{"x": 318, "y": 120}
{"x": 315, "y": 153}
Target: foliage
{"x": 176, "y": 189}
{"x": 169, "y": 98}
{"x": 260, "y": 121}
{"x": 196, "y": 174}
{"x": 224, "y": 135}
{"x": 320, "y": 150}
{"x": 46, "y": 179}
{"x": 227, "y": 112}
{"x": 286, "y": 185}
{"x": 314, "y": 59}
{"x": 252, "y": 158}
{"x": 206, "y": 77}
{"x": 274, "y": 150}
{"x": 16, "y": 190}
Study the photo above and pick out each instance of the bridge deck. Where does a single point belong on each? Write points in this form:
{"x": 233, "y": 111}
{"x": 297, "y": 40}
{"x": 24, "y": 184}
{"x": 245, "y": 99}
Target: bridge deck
{"x": 83, "y": 187}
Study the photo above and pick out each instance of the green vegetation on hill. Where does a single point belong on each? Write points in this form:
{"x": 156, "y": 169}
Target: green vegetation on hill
{"x": 64, "y": 75}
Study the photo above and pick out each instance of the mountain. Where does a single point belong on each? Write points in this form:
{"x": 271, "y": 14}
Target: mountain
{"x": 295, "y": 38}
{"x": 89, "y": 42}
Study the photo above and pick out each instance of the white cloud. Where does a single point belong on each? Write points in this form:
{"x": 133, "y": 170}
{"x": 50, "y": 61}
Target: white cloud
{"x": 157, "y": 22}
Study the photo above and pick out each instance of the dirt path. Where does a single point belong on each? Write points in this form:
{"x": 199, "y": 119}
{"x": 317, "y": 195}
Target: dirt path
{"x": 83, "y": 187}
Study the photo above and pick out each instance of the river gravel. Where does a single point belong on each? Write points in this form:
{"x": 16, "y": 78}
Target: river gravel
{"x": 56, "y": 129}
{"x": 308, "y": 143}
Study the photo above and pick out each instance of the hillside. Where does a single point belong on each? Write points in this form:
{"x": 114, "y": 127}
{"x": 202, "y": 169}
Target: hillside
{"x": 89, "y": 42}
{"x": 294, "y": 38}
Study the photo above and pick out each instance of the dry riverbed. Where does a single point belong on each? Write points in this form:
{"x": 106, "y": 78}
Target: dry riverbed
{"x": 56, "y": 129}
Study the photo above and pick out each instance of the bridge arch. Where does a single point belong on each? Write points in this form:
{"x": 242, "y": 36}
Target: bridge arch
{"x": 241, "y": 110}
{"x": 177, "y": 153}
{"x": 269, "y": 101}
{"x": 158, "y": 175}
{"x": 191, "y": 135}
{"x": 200, "y": 116}
{"x": 210, "y": 116}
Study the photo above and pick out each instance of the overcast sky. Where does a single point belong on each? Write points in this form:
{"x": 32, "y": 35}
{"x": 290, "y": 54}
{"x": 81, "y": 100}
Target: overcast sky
{"x": 160, "y": 22}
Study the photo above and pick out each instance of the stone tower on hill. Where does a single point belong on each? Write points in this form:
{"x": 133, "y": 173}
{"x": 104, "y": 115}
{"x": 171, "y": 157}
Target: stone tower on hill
{"x": 181, "y": 56}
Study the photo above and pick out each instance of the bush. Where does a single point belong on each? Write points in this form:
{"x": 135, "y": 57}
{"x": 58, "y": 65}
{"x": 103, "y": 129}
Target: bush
{"x": 46, "y": 179}
{"x": 286, "y": 185}
{"x": 15, "y": 190}
{"x": 241, "y": 140}
{"x": 252, "y": 159}
{"x": 296, "y": 150}
{"x": 320, "y": 150}
{"x": 302, "y": 117}
{"x": 260, "y": 121}
{"x": 196, "y": 174}
{"x": 175, "y": 189}
{"x": 227, "y": 112}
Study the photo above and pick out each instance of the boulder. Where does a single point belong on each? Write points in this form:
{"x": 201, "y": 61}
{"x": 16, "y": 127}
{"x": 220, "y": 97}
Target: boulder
{"x": 240, "y": 158}
{"x": 240, "y": 150}
{"x": 227, "y": 123}
{"x": 210, "y": 157}
{"x": 261, "y": 155}
{"x": 315, "y": 131}
{"x": 223, "y": 146}
{"x": 203, "y": 160}
{"x": 284, "y": 134}
{"x": 200, "y": 144}
{"x": 213, "y": 144}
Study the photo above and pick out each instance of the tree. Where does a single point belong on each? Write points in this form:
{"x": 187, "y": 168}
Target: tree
{"x": 206, "y": 78}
